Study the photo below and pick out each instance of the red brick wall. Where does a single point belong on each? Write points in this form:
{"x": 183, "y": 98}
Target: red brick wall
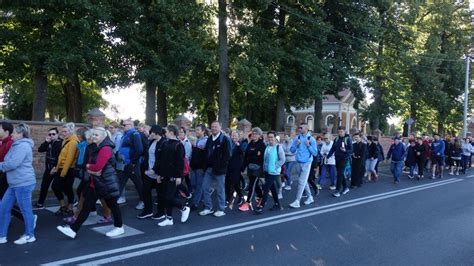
{"x": 39, "y": 130}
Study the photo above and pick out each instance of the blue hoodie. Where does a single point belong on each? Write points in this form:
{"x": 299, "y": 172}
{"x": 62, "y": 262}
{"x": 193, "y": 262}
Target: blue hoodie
{"x": 304, "y": 154}
{"x": 18, "y": 164}
{"x": 396, "y": 152}
{"x": 131, "y": 147}
{"x": 438, "y": 147}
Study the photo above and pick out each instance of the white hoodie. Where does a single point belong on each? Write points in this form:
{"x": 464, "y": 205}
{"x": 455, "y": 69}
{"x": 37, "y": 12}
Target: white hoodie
{"x": 325, "y": 148}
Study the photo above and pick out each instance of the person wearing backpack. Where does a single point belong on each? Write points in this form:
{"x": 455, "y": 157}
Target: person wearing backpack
{"x": 218, "y": 153}
{"x": 131, "y": 151}
{"x": 304, "y": 145}
{"x": 273, "y": 160}
{"x": 342, "y": 149}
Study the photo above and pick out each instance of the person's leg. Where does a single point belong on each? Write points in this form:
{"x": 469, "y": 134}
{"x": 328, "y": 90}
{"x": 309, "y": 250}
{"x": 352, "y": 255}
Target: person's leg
{"x": 134, "y": 175}
{"x": 311, "y": 177}
{"x": 398, "y": 171}
{"x": 392, "y": 169}
{"x": 266, "y": 188}
{"x": 147, "y": 198}
{"x": 106, "y": 212}
{"x": 220, "y": 180}
{"x": 6, "y": 204}
{"x": 206, "y": 189}
{"x": 123, "y": 178}
{"x": 23, "y": 198}
{"x": 303, "y": 181}
{"x": 333, "y": 174}
{"x": 198, "y": 192}
{"x": 57, "y": 188}
{"x": 252, "y": 185}
{"x": 45, "y": 184}
{"x": 68, "y": 188}
{"x": 273, "y": 188}
{"x": 289, "y": 169}
{"x": 89, "y": 203}
{"x": 115, "y": 209}
{"x": 161, "y": 199}
{"x": 229, "y": 187}
{"x": 340, "y": 175}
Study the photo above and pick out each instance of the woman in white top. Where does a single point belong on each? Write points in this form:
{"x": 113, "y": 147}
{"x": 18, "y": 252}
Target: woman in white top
{"x": 328, "y": 163}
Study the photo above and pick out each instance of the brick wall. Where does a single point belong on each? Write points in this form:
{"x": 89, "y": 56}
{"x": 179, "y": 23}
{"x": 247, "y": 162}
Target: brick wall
{"x": 39, "y": 130}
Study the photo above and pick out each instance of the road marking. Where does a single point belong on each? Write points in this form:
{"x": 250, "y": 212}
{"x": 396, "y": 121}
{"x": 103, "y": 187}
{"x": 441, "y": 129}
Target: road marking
{"x": 129, "y": 231}
{"x": 244, "y": 224}
{"x": 253, "y": 227}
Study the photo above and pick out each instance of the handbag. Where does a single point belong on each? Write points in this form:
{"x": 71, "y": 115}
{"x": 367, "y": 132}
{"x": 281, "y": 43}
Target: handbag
{"x": 254, "y": 170}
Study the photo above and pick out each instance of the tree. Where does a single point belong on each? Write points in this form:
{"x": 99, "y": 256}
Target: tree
{"x": 224, "y": 89}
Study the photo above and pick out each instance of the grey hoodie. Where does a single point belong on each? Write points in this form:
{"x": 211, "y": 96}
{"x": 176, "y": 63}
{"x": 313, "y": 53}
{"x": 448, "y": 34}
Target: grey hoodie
{"x": 18, "y": 164}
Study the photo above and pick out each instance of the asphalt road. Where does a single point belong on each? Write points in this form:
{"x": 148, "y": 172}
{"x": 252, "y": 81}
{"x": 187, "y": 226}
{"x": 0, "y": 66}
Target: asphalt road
{"x": 428, "y": 222}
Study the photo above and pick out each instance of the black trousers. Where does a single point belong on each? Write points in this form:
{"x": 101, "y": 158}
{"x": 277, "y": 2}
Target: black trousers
{"x": 63, "y": 186}
{"x": 3, "y": 188}
{"x": 341, "y": 180}
{"x": 168, "y": 198}
{"x": 357, "y": 172}
{"x": 270, "y": 185}
{"x": 134, "y": 175}
{"x": 312, "y": 177}
{"x": 89, "y": 205}
{"x": 421, "y": 165}
{"x": 232, "y": 183}
{"x": 254, "y": 188}
{"x": 148, "y": 185}
{"x": 45, "y": 184}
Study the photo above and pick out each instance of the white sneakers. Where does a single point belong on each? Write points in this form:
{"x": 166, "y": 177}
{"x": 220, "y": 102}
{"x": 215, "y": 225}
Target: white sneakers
{"x": 167, "y": 221}
{"x": 121, "y": 200}
{"x": 115, "y": 232}
{"x": 67, "y": 231}
{"x": 3, "y": 240}
{"x": 140, "y": 206}
{"x": 308, "y": 201}
{"x": 219, "y": 213}
{"x": 295, "y": 204}
{"x": 206, "y": 212}
{"x": 185, "y": 214}
{"x": 24, "y": 239}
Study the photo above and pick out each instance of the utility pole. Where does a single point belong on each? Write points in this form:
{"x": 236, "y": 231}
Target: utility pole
{"x": 466, "y": 96}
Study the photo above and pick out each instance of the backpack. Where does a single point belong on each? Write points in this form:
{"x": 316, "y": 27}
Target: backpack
{"x": 186, "y": 162}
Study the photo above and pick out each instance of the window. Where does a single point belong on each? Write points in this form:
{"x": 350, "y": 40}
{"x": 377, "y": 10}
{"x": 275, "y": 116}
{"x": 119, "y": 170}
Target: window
{"x": 310, "y": 121}
{"x": 354, "y": 122}
{"x": 290, "y": 120}
{"x": 329, "y": 121}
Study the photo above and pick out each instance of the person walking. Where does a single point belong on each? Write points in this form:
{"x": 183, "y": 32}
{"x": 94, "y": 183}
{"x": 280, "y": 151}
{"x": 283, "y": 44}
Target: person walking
{"x": 290, "y": 162}
{"x": 304, "y": 146}
{"x": 437, "y": 156}
{"x": 411, "y": 159}
{"x": 342, "y": 149}
{"x": 372, "y": 159}
{"x": 198, "y": 164}
{"x": 101, "y": 182}
{"x": 328, "y": 163}
{"x": 170, "y": 169}
{"x": 456, "y": 157}
{"x": 64, "y": 170}
{"x": 397, "y": 153}
{"x": 273, "y": 160}
{"x": 358, "y": 161}
{"x": 236, "y": 165}
{"x": 20, "y": 175}
{"x": 421, "y": 155}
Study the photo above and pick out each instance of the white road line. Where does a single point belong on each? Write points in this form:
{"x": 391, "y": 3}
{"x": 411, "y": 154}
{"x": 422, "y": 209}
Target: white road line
{"x": 240, "y": 230}
{"x": 229, "y": 227}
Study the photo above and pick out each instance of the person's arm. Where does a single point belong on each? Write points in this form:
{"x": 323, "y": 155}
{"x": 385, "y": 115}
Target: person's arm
{"x": 281, "y": 156}
{"x": 17, "y": 156}
{"x": 102, "y": 158}
{"x": 294, "y": 145}
{"x": 312, "y": 147}
{"x": 443, "y": 147}
{"x": 71, "y": 153}
{"x": 43, "y": 147}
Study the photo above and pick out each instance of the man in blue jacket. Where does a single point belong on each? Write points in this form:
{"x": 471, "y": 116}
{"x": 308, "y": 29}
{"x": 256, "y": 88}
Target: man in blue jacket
{"x": 305, "y": 148}
{"x": 342, "y": 149}
{"x": 437, "y": 155}
{"x": 131, "y": 150}
{"x": 397, "y": 153}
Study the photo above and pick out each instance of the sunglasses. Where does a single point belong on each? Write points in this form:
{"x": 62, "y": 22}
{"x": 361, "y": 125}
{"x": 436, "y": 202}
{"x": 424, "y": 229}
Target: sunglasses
{"x": 52, "y": 134}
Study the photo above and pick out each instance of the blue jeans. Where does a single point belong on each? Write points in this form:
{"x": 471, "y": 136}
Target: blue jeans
{"x": 412, "y": 170}
{"x": 21, "y": 195}
{"x": 288, "y": 169}
{"x": 396, "y": 169}
{"x": 197, "y": 177}
{"x": 206, "y": 189}
{"x": 332, "y": 173}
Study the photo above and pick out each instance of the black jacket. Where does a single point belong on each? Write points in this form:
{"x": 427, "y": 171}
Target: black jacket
{"x": 411, "y": 155}
{"x": 236, "y": 160}
{"x": 359, "y": 151}
{"x": 218, "y": 154}
{"x": 159, "y": 145}
{"x": 423, "y": 150}
{"x": 372, "y": 151}
{"x": 255, "y": 152}
{"x": 170, "y": 160}
{"x": 106, "y": 185}
{"x": 52, "y": 149}
{"x": 198, "y": 158}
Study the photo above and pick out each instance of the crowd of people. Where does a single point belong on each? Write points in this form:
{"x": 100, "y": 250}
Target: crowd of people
{"x": 174, "y": 170}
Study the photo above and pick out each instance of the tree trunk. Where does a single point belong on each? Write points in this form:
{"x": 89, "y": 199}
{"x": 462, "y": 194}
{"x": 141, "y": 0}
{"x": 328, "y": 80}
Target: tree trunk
{"x": 224, "y": 86}
{"x": 377, "y": 111}
{"x": 162, "y": 108}
{"x": 280, "y": 106}
{"x": 40, "y": 94}
{"x": 150, "y": 112}
{"x": 280, "y": 114}
{"x": 440, "y": 128}
{"x": 72, "y": 91}
{"x": 318, "y": 114}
